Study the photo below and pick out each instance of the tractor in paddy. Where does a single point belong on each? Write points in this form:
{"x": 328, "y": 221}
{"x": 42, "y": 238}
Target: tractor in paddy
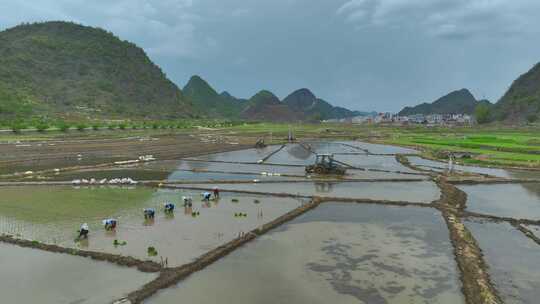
{"x": 325, "y": 164}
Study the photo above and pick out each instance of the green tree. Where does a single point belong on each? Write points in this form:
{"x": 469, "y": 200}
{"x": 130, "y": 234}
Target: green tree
{"x": 81, "y": 127}
{"x": 482, "y": 114}
{"x": 63, "y": 126}
{"x": 42, "y": 126}
{"x": 531, "y": 118}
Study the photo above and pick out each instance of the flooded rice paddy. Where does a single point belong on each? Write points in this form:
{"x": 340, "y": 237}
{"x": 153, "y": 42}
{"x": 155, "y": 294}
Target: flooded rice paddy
{"x": 421, "y": 192}
{"x": 513, "y": 261}
{"x": 379, "y": 149}
{"x": 505, "y": 200}
{"x": 53, "y": 215}
{"x": 437, "y": 166}
{"x": 33, "y": 276}
{"x": 248, "y": 155}
{"x": 337, "y": 253}
{"x": 377, "y": 162}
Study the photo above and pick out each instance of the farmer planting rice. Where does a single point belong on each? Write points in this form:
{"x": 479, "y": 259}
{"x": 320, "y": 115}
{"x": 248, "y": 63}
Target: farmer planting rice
{"x": 188, "y": 201}
{"x": 169, "y": 207}
{"x": 110, "y": 224}
{"x": 149, "y": 213}
{"x": 206, "y": 196}
{"x": 83, "y": 232}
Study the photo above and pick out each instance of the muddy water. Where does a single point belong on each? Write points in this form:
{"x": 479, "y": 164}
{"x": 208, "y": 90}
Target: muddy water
{"x": 361, "y": 174}
{"x": 34, "y": 276}
{"x": 380, "y": 149}
{"x": 513, "y": 260}
{"x": 176, "y": 170}
{"x": 377, "y": 162}
{"x": 507, "y": 200}
{"x": 210, "y": 176}
{"x": 298, "y": 155}
{"x": 440, "y": 166}
{"x": 333, "y": 147}
{"x": 293, "y": 154}
{"x": 53, "y": 215}
{"x": 337, "y": 253}
{"x": 287, "y": 170}
{"x": 248, "y": 155}
{"x": 257, "y": 169}
{"x": 422, "y": 192}
{"x": 135, "y": 173}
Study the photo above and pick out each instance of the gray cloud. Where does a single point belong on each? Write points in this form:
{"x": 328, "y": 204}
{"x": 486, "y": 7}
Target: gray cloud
{"x": 447, "y": 18}
{"x": 363, "y": 54}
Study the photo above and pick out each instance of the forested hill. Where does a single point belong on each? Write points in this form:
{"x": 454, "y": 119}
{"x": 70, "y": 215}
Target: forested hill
{"x": 208, "y": 102}
{"x": 522, "y": 100}
{"x": 62, "y": 68}
{"x": 456, "y": 102}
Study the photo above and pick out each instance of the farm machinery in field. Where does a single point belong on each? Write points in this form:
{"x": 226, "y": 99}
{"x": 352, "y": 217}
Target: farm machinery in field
{"x": 325, "y": 164}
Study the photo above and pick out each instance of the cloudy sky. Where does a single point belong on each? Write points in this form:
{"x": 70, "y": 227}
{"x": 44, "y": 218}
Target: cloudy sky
{"x": 363, "y": 54}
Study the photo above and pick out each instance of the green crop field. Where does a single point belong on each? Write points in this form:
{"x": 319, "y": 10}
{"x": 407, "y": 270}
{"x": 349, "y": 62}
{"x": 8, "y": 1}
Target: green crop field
{"x": 489, "y": 146}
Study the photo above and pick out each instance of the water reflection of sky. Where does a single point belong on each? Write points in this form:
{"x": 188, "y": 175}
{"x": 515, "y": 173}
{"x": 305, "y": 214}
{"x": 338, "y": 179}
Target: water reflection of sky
{"x": 513, "y": 260}
{"x": 338, "y": 253}
{"x": 507, "y": 200}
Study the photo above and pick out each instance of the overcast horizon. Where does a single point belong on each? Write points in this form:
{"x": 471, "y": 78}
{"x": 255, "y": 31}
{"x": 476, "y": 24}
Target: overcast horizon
{"x": 367, "y": 55}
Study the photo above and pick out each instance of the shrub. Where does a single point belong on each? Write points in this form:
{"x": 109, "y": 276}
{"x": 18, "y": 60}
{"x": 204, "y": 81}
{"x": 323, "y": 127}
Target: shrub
{"x": 64, "y": 127}
{"x": 95, "y": 127}
{"x": 16, "y": 128}
{"x": 152, "y": 251}
{"x": 122, "y": 126}
{"x": 41, "y": 127}
{"x": 531, "y": 118}
{"x": 111, "y": 127}
{"x": 81, "y": 127}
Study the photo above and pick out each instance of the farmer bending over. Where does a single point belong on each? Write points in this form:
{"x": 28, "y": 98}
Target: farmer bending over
{"x": 169, "y": 207}
{"x": 110, "y": 224}
{"x": 83, "y": 232}
{"x": 149, "y": 213}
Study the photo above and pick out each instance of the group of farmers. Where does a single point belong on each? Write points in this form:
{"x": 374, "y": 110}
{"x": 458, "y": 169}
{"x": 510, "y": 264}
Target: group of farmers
{"x": 149, "y": 213}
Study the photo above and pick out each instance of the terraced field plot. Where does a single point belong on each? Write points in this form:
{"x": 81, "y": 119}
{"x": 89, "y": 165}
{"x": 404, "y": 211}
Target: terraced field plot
{"x": 339, "y": 253}
{"x": 33, "y": 276}
{"x": 521, "y": 201}
{"x": 52, "y": 216}
{"x": 421, "y": 192}
{"x": 513, "y": 261}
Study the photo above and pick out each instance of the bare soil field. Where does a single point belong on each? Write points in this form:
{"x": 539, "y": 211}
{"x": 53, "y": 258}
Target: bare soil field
{"x": 48, "y": 154}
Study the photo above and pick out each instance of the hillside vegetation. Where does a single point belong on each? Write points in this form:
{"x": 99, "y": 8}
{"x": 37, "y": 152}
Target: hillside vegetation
{"x": 265, "y": 106}
{"x": 65, "y": 69}
{"x": 209, "y": 103}
{"x": 301, "y": 105}
{"x": 61, "y": 70}
{"x": 522, "y": 100}
{"x": 456, "y": 102}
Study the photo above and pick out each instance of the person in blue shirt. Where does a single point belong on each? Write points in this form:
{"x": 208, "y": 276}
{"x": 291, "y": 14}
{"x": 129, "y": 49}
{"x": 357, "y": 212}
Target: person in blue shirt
{"x": 110, "y": 224}
{"x": 169, "y": 207}
{"x": 149, "y": 213}
{"x": 206, "y": 196}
